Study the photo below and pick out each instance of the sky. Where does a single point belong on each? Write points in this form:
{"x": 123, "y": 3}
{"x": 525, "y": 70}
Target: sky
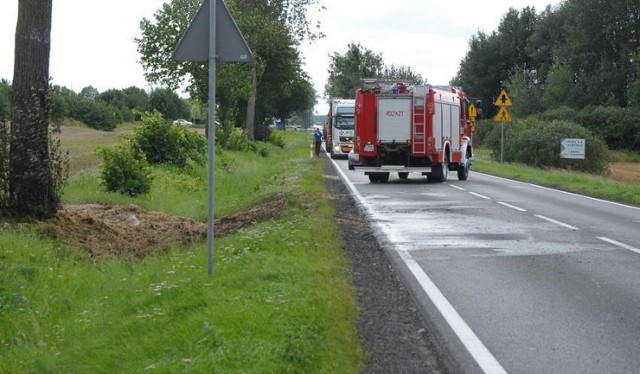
{"x": 92, "y": 41}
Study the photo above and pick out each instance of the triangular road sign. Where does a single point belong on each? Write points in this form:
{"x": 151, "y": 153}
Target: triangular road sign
{"x": 503, "y": 115}
{"x": 230, "y": 44}
{"x": 503, "y": 99}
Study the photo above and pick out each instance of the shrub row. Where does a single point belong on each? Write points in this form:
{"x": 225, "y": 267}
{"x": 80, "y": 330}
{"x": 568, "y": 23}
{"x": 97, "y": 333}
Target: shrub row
{"x": 619, "y": 127}
{"x": 126, "y": 166}
{"x": 537, "y": 143}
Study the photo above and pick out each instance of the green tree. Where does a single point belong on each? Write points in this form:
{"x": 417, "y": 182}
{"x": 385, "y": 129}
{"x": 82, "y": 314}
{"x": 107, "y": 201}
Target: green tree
{"x": 63, "y": 100}
{"x": 89, "y": 94}
{"x": 405, "y": 73}
{"x": 136, "y": 100}
{"x": 346, "y": 71}
{"x": 33, "y": 187}
{"x": 559, "y": 86}
{"x": 600, "y": 38}
{"x": 168, "y": 103}
{"x": 481, "y": 72}
{"x": 98, "y": 115}
{"x": 524, "y": 94}
{"x": 548, "y": 40}
{"x": 491, "y": 58}
{"x": 633, "y": 93}
{"x": 272, "y": 30}
{"x": 5, "y": 99}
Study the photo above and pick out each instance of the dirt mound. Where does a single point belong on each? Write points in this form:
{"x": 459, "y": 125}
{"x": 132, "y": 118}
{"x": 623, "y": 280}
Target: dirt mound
{"x": 132, "y": 232}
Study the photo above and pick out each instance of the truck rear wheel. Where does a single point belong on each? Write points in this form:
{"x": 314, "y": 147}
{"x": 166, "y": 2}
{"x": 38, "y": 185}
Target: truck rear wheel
{"x": 439, "y": 174}
{"x": 379, "y": 177}
{"x": 463, "y": 171}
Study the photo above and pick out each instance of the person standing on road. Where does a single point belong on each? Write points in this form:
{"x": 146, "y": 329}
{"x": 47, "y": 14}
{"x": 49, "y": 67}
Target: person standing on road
{"x": 317, "y": 137}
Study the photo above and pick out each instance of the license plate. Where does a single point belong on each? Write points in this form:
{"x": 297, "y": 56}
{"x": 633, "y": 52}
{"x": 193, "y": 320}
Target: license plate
{"x": 368, "y": 147}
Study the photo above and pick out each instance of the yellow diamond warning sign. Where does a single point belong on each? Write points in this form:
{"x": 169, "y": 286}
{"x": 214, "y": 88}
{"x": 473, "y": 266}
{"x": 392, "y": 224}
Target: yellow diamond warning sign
{"x": 503, "y": 115}
{"x": 503, "y": 99}
{"x": 473, "y": 112}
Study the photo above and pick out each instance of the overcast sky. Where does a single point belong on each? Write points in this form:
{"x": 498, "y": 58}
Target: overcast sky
{"x": 92, "y": 41}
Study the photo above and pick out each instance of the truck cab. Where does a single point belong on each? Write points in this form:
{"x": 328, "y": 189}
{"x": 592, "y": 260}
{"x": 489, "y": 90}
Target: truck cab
{"x": 340, "y": 127}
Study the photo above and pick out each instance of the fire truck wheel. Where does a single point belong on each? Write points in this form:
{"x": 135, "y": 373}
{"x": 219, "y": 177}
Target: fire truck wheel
{"x": 463, "y": 171}
{"x": 379, "y": 177}
{"x": 439, "y": 174}
{"x": 403, "y": 175}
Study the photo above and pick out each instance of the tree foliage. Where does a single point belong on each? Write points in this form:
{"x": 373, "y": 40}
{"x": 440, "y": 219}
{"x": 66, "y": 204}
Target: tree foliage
{"x": 168, "y": 103}
{"x": 578, "y": 53}
{"x": 403, "y": 73}
{"x": 272, "y": 29}
{"x": 347, "y": 70}
{"x": 5, "y": 99}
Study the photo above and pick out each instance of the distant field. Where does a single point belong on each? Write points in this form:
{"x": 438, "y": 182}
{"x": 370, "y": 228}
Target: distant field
{"x": 627, "y": 172}
{"x": 81, "y": 142}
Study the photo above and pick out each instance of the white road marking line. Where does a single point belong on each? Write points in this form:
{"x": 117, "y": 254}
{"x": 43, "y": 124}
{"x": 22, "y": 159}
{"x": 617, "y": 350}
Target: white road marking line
{"x": 512, "y": 206}
{"x": 621, "y": 245}
{"x": 480, "y": 353}
{"x": 480, "y": 196}
{"x": 557, "y": 222}
{"x": 457, "y": 187}
{"x": 563, "y": 192}
{"x": 487, "y": 362}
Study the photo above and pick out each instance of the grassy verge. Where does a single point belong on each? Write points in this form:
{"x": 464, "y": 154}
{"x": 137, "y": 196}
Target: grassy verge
{"x": 279, "y": 300}
{"x": 585, "y": 184}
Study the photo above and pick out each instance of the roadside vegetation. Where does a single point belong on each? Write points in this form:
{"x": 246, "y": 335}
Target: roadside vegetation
{"x": 620, "y": 184}
{"x": 531, "y": 153}
{"x": 279, "y": 300}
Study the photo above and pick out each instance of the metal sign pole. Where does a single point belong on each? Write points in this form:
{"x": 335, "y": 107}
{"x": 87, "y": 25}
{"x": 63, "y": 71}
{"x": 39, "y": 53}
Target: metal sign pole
{"x": 199, "y": 44}
{"x": 212, "y": 133}
{"x": 501, "y": 142}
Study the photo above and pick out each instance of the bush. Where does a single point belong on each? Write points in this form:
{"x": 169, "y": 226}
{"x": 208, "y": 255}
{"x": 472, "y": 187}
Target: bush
{"x": 99, "y": 116}
{"x": 512, "y": 131}
{"x": 237, "y": 140}
{"x": 563, "y": 113}
{"x": 619, "y": 127}
{"x": 536, "y": 143}
{"x": 482, "y": 130}
{"x": 164, "y": 143}
{"x": 277, "y": 138}
{"x": 124, "y": 170}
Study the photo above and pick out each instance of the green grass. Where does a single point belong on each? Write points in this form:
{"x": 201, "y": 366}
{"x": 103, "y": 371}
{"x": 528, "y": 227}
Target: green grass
{"x": 581, "y": 183}
{"x": 279, "y": 300}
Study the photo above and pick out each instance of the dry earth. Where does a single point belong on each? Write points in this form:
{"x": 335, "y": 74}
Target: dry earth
{"x": 628, "y": 172}
{"x": 132, "y": 232}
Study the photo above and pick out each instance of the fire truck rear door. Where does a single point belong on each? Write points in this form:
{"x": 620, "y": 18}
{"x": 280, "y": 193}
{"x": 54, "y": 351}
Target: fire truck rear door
{"x": 394, "y": 119}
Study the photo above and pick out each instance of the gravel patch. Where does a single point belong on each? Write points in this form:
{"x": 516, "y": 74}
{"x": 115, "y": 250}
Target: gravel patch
{"x": 391, "y": 330}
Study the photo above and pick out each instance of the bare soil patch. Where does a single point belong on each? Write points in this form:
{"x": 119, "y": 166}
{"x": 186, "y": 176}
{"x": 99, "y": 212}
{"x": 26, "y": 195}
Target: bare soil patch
{"x": 106, "y": 231}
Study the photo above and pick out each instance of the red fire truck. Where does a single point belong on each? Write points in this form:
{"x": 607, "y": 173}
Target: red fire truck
{"x": 423, "y": 130}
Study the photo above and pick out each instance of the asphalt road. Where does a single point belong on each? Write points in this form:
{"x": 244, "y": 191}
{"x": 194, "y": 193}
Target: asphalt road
{"x": 515, "y": 277}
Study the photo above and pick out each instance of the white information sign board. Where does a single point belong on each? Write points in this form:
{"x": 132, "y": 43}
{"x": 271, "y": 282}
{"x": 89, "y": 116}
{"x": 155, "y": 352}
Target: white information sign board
{"x": 572, "y": 148}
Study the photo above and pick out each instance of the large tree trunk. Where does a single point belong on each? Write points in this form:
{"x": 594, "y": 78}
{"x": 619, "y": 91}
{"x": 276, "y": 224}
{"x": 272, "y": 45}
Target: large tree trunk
{"x": 32, "y": 189}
